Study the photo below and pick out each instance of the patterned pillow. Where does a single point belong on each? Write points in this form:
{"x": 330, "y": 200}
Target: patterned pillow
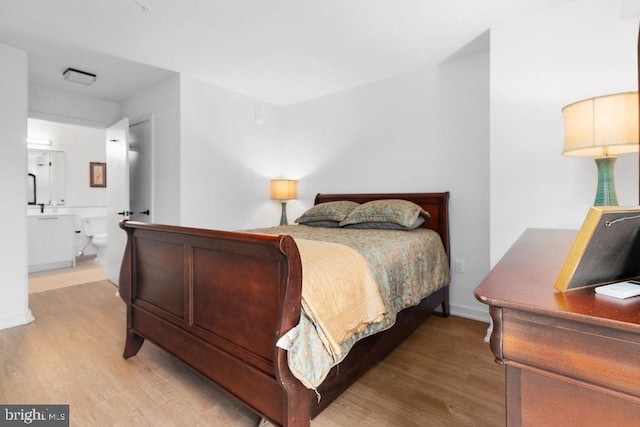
{"x": 401, "y": 212}
{"x": 324, "y": 224}
{"x": 329, "y": 211}
{"x": 386, "y": 225}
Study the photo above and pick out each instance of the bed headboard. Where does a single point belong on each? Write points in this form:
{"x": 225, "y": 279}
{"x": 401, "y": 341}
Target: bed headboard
{"x": 437, "y": 204}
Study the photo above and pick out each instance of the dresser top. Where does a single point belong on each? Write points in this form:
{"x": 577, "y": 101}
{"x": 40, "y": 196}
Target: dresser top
{"x": 524, "y": 280}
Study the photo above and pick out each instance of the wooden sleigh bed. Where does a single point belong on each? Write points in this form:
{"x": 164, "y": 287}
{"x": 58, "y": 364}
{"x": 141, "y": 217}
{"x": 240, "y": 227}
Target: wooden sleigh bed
{"x": 219, "y": 301}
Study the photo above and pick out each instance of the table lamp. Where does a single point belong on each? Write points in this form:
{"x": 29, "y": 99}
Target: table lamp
{"x": 602, "y": 127}
{"x": 283, "y": 190}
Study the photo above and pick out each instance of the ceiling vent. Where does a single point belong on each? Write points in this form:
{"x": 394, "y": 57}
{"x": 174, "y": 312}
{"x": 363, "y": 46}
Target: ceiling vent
{"x": 77, "y": 76}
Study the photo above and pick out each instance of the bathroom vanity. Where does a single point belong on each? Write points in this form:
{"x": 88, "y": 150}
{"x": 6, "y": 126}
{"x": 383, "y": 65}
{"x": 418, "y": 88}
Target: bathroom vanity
{"x": 51, "y": 242}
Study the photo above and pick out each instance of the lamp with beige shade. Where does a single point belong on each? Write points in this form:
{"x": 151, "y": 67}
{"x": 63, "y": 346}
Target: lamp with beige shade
{"x": 284, "y": 190}
{"x": 603, "y": 127}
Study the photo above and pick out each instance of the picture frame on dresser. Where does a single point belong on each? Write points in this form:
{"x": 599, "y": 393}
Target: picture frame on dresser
{"x": 606, "y": 249}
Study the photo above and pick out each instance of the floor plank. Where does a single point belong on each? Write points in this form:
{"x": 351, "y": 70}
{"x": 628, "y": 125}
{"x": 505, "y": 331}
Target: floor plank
{"x": 443, "y": 375}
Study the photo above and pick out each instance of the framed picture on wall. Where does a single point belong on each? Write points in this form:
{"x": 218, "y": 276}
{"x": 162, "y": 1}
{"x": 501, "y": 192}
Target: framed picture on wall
{"x": 97, "y": 174}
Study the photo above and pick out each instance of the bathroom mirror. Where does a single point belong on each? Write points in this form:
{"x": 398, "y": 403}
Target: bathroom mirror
{"x": 45, "y": 177}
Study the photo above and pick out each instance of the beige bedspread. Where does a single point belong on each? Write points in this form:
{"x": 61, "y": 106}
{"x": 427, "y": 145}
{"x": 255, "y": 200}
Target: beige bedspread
{"x": 407, "y": 266}
{"x": 334, "y": 276}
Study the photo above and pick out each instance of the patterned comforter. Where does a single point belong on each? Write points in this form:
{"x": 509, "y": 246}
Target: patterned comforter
{"x": 407, "y": 266}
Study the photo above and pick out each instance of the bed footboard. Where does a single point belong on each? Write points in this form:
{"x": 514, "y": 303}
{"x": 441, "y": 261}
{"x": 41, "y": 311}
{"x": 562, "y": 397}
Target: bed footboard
{"x": 218, "y": 301}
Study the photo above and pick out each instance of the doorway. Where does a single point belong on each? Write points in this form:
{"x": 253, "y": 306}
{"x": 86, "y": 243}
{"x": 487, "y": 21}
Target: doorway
{"x": 80, "y": 145}
{"x": 140, "y": 169}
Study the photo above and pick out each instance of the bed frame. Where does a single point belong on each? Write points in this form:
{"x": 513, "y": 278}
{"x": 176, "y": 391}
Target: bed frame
{"x": 220, "y": 300}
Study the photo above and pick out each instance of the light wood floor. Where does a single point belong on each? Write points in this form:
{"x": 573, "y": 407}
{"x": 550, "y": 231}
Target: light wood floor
{"x": 443, "y": 375}
{"x": 86, "y": 271}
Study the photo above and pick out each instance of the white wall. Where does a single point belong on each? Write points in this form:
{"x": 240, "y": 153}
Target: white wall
{"x": 227, "y": 158}
{"x": 65, "y": 107}
{"x": 14, "y": 290}
{"x": 162, "y": 103}
{"x": 539, "y": 64}
{"x": 427, "y": 131}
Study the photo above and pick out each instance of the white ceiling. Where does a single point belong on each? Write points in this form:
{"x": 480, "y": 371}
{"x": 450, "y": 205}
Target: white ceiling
{"x": 278, "y": 51}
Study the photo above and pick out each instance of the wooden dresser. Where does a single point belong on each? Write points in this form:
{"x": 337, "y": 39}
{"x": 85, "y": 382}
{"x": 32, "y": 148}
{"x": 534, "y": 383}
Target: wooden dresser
{"x": 571, "y": 359}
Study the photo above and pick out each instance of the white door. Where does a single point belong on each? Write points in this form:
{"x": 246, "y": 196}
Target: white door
{"x": 140, "y": 166}
{"x": 117, "y": 195}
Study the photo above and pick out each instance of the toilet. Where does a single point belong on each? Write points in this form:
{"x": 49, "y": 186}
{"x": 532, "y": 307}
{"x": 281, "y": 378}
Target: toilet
{"x": 95, "y": 228}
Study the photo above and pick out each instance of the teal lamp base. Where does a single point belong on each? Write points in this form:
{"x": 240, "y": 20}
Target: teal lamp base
{"x": 283, "y": 217}
{"x": 606, "y": 194}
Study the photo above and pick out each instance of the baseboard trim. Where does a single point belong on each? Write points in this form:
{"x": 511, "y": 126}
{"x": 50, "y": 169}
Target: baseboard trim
{"x": 16, "y": 319}
{"x": 470, "y": 313}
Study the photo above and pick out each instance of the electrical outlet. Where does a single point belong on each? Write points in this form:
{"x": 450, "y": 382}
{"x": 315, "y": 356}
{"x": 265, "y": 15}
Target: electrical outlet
{"x": 459, "y": 266}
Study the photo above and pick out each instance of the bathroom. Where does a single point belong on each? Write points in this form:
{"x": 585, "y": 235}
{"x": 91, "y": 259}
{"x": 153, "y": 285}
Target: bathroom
{"x": 65, "y": 194}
